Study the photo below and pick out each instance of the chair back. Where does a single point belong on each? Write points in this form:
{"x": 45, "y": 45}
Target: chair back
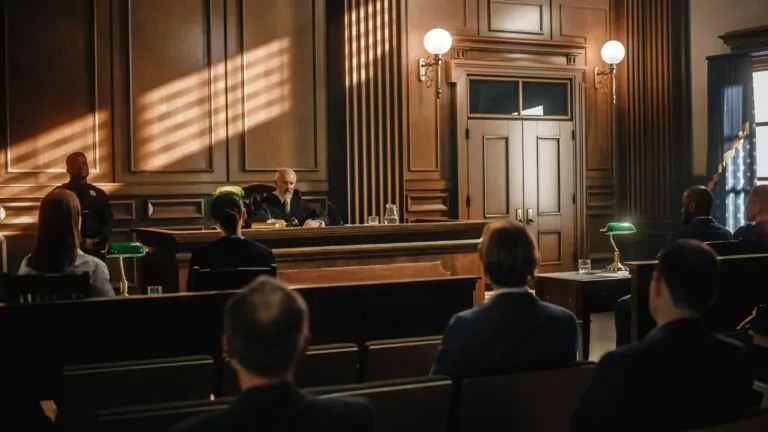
{"x": 44, "y": 288}
{"x": 413, "y": 405}
{"x": 321, "y": 366}
{"x": 530, "y": 401}
{"x": 155, "y": 418}
{"x": 90, "y": 388}
{"x": 399, "y": 358}
{"x": 226, "y": 279}
{"x": 737, "y": 247}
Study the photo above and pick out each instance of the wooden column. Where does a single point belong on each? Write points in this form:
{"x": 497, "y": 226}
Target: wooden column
{"x": 372, "y": 71}
{"x": 653, "y": 117}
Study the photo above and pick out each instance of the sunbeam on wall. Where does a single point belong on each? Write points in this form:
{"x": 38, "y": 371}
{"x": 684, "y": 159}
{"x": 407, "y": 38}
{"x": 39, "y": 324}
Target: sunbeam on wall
{"x": 189, "y": 115}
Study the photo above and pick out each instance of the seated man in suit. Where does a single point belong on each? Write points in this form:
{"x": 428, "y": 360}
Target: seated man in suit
{"x": 283, "y": 204}
{"x": 698, "y": 225}
{"x": 757, "y": 214}
{"x": 266, "y": 329}
{"x": 681, "y": 375}
{"x": 514, "y": 330}
{"x": 231, "y": 250}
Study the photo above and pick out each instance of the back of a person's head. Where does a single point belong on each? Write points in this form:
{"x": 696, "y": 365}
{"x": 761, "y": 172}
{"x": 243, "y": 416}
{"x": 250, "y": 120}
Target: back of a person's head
{"x": 58, "y": 232}
{"x": 265, "y": 325}
{"x": 702, "y": 198}
{"x": 509, "y": 254}
{"x": 227, "y": 210}
{"x": 691, "y": 272}
{"x": 759, "y": 194}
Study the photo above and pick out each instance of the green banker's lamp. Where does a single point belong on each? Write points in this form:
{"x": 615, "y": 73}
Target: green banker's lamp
{"x": 125, "y": 250}
{"x": 237, "y": 190}
{"x": 612, "y": 229}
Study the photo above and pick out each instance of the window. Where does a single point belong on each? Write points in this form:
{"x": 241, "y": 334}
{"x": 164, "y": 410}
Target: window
{"x": 510, "y": 98}
{"x": 760, "y": 79}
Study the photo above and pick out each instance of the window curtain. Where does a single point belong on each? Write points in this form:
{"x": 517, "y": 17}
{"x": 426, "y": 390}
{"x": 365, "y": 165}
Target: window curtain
{"x": 731, "y": 151}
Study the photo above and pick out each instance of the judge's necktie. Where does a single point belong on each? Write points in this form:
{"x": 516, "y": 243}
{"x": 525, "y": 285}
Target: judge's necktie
{"x": 287, "y": 204}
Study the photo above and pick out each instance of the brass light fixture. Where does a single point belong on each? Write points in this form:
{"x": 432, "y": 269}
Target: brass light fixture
{"x": 125, "y": 250}
{"x": 437, "y": 42}
{"x": 612, "y": 229}
{"x": 613, "y": 53}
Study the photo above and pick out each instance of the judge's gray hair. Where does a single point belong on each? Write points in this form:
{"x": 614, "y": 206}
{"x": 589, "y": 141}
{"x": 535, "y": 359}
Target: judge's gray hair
{"x": 284, "y": 172}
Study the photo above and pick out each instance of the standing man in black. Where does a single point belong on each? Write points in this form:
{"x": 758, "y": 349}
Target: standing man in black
{"x": 697, "y": 225}
{"x": 94, "y": 202}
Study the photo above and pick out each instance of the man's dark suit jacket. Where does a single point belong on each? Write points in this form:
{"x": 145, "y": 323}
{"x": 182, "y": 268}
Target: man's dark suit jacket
{"x": 96, "y": 214}
{"x": 273, "y": 208}
{"x": 703, "y": 229}
{"x": 680, "y": 376}
{"x": 231, "y": 253}
{"x": 512, "y": 332}
{"x": 283, "y": 408}
{"x": 753, "y": 232}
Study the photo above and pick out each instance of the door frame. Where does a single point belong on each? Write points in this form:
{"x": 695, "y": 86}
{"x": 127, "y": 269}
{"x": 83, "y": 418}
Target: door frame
{"x": 459, "y": 72}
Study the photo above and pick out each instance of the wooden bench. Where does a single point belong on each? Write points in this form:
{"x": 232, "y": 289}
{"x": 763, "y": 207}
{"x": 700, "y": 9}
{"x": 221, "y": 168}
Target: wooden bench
{"x": 741, "y": 288}
{"x": 45, "y": 337}
{"x": 399, "y": 358}
{"x": 331, "y": 275}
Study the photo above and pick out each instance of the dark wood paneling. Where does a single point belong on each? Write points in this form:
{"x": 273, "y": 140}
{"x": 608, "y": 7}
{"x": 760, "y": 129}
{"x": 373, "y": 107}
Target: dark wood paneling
{"x": 44, "y": 118}
{"x": 653, "y": 116}
{"x": 515, "y": 18}
{"x": 374, "y": 101}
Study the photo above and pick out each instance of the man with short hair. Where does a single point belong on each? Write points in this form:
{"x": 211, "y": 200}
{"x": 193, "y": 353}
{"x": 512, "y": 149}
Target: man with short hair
{"x": 514, "y": 330}
{"x": 266, "y": 330}
{"x": 681, "y": 375}
{"x": 94, "y": 204}
{"x": 698, "y": 225}
{"x": 286, "y": 204}
{"x": 757, "y": 214}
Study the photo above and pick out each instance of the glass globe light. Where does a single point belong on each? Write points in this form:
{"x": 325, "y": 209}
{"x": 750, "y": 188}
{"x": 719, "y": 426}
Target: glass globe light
{"x": 613, "y": 52}
{"x": 437, "y": 41}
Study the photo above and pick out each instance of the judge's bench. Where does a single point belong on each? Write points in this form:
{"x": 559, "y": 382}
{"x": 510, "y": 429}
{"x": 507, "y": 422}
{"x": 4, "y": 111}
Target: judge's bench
{"x": 334, "y": 254}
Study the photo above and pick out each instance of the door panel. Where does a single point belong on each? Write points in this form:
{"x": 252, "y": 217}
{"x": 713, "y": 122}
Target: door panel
{"x": 549, "y": 188}
{"x": 495, "y": 168}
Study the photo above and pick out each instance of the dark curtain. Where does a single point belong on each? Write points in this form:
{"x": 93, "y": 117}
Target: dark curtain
{"x": 731, "y": 152}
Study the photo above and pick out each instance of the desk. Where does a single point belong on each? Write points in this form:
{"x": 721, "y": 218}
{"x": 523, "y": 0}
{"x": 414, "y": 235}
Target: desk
{"x": 452, "y": 243}
{"x": 583, "y": 294}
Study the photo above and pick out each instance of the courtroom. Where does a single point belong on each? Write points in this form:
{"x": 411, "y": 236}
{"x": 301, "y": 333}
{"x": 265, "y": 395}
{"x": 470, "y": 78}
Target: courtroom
{"x": 384, "y": 216}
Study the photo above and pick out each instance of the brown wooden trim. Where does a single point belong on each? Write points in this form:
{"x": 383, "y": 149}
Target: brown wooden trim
{"x": 123, "y": 209}
{"x": 158, "y": 208}
{"x": 376, "y": 250}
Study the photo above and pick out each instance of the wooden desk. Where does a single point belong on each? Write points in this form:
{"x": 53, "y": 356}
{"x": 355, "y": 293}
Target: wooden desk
{"x": 453, "y": 244}
{"x": 583, "y": 294}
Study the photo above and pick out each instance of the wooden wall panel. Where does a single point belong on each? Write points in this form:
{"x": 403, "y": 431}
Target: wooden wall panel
{"x": 654, "y": 116}
{"x": 276, "y": 89}
{"x": 47, "y": 118}
{"x": 529, "y": 19}
{"x": 168, "y": 57}
{"x": 374, "y": 99}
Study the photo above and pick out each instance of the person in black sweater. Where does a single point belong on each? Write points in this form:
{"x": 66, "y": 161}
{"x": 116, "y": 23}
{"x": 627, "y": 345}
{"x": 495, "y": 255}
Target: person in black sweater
{"x": 232, "y": 250}
{"x": 266, "y": 329}
{"x": 756, "y": 231}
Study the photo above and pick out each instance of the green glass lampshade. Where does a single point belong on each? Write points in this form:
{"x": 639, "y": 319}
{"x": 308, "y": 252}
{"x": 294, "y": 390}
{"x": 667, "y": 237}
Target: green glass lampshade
{"x": 618, "y": 228}
{"x": 237, "y": 190}
{"x": 126, "y": 250}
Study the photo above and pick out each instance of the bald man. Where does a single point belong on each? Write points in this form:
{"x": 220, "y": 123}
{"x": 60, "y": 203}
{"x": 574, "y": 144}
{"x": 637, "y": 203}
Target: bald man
{"x": 757, "y": 214}
{"x": 285, "y": 203}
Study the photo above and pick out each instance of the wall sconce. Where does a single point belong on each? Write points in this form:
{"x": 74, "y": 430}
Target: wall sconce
{"x": 437, "y": 42}
{"x": 613, "y": 53}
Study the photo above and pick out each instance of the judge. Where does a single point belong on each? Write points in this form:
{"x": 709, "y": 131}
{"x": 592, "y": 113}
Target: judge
{"x": 285, "y": 204}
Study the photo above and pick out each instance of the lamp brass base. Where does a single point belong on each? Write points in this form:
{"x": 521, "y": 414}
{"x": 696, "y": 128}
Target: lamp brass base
{"x": 616, "y": 265}
{"x": 123, "y": 288}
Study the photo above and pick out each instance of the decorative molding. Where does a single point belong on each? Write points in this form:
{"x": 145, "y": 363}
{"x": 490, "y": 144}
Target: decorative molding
{"x": 175, "y": 208}
{"x": 123, "y": 209}
{"x": 755, "y": 38}
{"x": 426, "y": 202}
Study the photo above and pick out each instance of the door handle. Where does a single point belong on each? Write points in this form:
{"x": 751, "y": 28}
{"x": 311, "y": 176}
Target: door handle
{"x": 529, "y": 219}
{"x": 519, "y": 215}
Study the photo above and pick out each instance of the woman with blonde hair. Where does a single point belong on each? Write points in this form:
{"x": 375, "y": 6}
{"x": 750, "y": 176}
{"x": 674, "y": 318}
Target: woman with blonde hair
{"x": 57, "y": 247}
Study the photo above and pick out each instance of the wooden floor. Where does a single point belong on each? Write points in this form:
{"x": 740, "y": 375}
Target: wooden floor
{"x": 603, "y": 336}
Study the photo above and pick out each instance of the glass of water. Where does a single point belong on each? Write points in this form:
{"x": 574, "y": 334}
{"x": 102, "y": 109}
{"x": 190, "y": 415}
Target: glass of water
{"x": 373, "y": 220}
{"x": 585, "y": 266}
{"x": 154, "y": 290}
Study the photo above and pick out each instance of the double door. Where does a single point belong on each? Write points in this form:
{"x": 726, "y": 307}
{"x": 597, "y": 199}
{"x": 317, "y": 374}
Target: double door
{"x": 526, "y": 169}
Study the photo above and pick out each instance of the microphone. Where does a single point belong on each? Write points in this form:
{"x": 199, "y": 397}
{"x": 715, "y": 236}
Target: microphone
{"x": 339, "y": 222}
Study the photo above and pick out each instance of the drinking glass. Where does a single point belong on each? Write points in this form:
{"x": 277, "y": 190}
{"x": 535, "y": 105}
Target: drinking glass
{"x": 391, "y": 216}
{"x": 585, "y": 266}
{"x": 154, "y": 290}
{"x": 373, "y": 220}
